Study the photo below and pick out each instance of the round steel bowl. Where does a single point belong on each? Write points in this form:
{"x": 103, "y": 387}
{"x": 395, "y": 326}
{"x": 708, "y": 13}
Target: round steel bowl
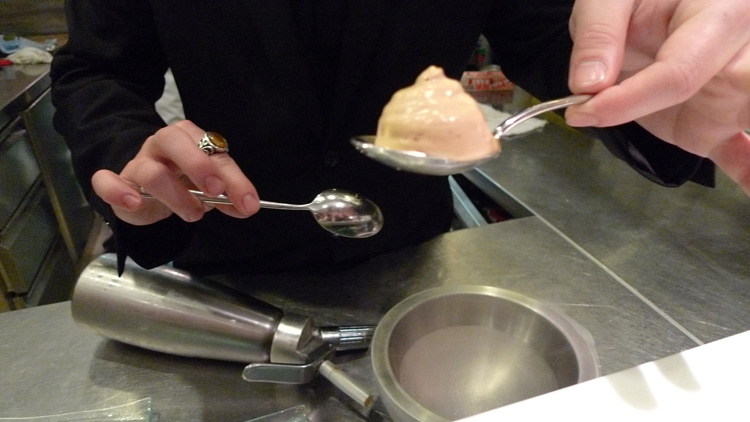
{"x": 452, "y": 352}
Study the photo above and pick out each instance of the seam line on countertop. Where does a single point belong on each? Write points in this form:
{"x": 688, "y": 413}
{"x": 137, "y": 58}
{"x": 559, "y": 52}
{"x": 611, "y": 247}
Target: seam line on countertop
{"x": 598, "y": 263}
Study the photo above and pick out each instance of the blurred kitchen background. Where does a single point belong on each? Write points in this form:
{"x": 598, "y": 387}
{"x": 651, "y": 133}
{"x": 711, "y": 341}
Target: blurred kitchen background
{"x": 45, "y": 223}
{"x": 32, "y": 17}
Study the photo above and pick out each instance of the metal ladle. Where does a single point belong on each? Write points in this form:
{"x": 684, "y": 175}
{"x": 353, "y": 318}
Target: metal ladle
{"x": 340, "y": 212}
{"x": 419, "y": 162}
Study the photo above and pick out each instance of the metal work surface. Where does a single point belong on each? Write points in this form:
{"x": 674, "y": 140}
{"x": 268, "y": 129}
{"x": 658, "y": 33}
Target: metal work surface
{"x": 684, "y": 249}
{"x": 19, "y": 86}
{"x": 51, "y": 365}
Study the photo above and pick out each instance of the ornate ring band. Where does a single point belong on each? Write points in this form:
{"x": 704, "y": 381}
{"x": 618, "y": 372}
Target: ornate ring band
{"x": 212, "y": 143}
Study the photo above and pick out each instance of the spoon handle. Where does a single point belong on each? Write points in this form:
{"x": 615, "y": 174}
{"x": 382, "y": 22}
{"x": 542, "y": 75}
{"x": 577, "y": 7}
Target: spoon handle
{"x": 513, "y": 121}
{"x": 224, "y": 200}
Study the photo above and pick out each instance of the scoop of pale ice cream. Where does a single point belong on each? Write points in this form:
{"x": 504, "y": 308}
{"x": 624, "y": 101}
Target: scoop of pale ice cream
{"x": 437, "y": 117}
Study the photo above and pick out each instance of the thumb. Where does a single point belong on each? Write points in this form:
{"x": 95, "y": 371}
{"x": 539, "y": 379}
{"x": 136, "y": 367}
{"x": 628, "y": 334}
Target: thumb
{"x": 114, "y": 190}
{"x": 599, "y": 30}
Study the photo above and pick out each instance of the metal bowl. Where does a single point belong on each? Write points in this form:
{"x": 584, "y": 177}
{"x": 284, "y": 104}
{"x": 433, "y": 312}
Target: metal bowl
{"x": 452, "y": 352}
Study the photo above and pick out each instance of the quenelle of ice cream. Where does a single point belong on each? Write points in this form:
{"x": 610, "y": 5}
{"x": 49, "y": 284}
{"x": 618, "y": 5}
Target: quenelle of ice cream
{"x": 437, "y": 117}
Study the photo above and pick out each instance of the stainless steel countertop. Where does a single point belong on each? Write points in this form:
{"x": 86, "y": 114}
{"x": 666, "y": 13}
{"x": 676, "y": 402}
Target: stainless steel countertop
{"x": 649, "y": 271}
{"x": 50, "y": 365}
{"x": 686, "y": 249}
{"x": 19, "y": 86}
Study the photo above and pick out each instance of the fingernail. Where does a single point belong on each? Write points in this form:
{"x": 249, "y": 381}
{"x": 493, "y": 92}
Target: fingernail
{"x": 250, "y": 203}
{"x": 581, "y": 120}
{"x": 192, "y": 217}
{"x": 214, "y": 186}
{"x": 589, "y": 73}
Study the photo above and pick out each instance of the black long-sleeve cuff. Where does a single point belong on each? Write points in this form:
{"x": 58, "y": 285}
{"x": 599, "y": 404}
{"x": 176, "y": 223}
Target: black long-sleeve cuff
{"x": 172, "y": 236}
{"x": 657, "y": 160}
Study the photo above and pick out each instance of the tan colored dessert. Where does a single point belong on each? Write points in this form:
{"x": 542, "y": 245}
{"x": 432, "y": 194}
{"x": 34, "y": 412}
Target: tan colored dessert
{"x": 437, "y": 117}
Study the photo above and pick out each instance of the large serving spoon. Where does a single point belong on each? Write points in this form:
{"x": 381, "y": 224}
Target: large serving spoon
{"x": 340, "y": 212}
{"x": 419, "y": 162}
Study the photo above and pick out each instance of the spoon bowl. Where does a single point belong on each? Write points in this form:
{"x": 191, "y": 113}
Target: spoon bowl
{"x": 422, "y": 163}
{"x": 341, "y": 212}
{"x": 414, "y": 161}
{"x": 346, "y": 214}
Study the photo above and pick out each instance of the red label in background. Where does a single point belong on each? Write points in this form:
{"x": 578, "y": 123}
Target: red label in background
{"x": 494, "y": 80}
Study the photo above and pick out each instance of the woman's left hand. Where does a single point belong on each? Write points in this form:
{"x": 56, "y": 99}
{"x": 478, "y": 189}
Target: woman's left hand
{"x": 680, "y": 68}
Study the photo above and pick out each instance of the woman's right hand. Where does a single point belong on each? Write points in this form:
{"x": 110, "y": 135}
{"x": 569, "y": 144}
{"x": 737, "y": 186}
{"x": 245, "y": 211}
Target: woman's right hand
{"x": 679, "y": 68}
{"x": 169, "y": 164}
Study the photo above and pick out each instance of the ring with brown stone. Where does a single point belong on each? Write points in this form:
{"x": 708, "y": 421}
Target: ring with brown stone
{"x": 212, "y": 143}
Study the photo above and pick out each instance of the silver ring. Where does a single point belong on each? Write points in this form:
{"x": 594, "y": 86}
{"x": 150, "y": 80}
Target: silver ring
{"x": 212, "y": 143}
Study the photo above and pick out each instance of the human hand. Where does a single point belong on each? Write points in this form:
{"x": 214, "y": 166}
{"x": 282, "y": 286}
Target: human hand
{"x": 167, "y": 165}
{"x": 680, "y": 68}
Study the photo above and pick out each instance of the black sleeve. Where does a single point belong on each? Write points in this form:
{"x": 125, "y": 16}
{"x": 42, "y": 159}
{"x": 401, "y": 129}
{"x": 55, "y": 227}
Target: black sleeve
{"x": 105, "y": 81}
{"x": 532, "y": 44}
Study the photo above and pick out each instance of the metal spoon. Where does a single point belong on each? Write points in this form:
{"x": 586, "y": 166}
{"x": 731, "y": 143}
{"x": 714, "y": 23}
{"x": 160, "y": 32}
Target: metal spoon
{"x": 419, "y": 162}
{"x": 340, "y": 212}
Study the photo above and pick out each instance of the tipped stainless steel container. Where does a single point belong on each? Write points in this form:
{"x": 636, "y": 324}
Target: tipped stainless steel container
{"x": 452, "y": 352}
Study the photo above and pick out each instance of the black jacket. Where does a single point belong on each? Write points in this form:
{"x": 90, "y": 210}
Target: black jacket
{"x": 288, "y": 82}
